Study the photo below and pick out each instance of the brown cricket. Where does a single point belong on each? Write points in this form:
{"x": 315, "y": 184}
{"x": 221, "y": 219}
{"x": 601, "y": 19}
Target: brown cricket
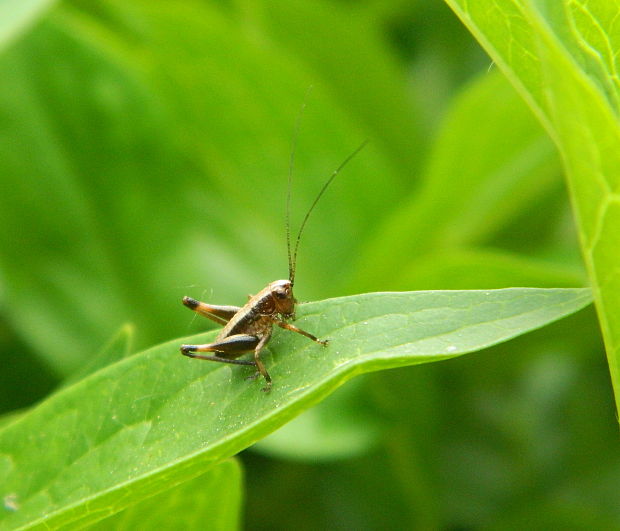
{"x": 248, "y": 328}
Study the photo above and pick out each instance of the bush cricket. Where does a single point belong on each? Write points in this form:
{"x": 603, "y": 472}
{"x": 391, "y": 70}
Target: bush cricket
{"x": 248, "y": 328}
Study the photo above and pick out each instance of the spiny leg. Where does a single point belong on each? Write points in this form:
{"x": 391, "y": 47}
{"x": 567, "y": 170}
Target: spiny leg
{"x": 231, "y": 347}
{"x": 234, "y": 346}
{"x": 217, "y": 358}
{"x": 293, "y": 328}
{"x": 259, "y": 364}
{"x": 219, "y": 314}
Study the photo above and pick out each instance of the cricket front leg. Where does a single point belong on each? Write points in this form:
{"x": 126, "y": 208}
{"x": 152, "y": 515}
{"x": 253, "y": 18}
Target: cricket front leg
{"x": 293, "y": 328}
{"x": 219, "y": 314}
{"x": 230, "y": 348}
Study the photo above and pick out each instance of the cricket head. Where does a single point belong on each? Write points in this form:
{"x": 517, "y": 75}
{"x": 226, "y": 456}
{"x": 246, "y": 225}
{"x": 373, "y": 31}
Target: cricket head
{"x": 282, "y": 294}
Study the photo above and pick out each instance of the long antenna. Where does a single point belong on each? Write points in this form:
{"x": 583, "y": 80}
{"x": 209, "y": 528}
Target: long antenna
{"x": 291, "y": 166}
{"x": 292, "y": 263}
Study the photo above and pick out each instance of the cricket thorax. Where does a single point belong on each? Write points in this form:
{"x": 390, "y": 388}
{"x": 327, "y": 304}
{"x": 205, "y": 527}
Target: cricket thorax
{"x": 256, "y": 317}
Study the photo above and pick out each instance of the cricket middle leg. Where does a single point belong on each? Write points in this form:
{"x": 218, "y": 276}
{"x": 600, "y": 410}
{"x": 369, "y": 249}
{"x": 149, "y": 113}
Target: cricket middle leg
{"x": 259, "y": 364}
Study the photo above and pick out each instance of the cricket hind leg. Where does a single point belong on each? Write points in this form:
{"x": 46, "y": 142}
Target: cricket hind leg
{"x": 230, "y": 348}
{"x": 218, "y": 359}
{"x": 219, "y": 314}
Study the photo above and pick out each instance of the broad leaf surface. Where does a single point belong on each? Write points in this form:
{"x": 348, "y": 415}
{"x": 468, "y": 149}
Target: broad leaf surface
{"x": 211, "y": 502}
{"x": 342, "y": 426}
{"x": 119, "y": 347}
{"x": 563, "y": 58}
{"x": 126, "y": 432}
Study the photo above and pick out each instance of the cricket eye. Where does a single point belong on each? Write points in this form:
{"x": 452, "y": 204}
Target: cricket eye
{"x": 281, "y": 293}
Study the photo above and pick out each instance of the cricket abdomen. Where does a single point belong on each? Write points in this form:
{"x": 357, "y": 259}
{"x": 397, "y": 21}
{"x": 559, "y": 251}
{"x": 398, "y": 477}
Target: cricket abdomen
{"x": 251, "y": 324}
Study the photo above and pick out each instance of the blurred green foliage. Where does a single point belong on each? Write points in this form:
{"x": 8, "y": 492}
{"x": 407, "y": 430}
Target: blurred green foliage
{"x": 144, "y": 150}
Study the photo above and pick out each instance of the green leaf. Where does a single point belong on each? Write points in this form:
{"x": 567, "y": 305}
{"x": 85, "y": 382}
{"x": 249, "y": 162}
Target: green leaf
{"x": 210, "y": 502}
{"x": 7, "y": 418}
{"x": 563, "y": 58}
{"x": 340, "y": 427}
{"x": 381, "y": 100}
{"x": 17, "y": 15}
{"x": 486, "y": 268}
{"x": 119, "y": 347}
{"x": 474, "y": 183}
{"x": 126, "y": 432}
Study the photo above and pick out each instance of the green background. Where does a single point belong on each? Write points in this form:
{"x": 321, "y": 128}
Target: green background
{"x": 144, "y": 151}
